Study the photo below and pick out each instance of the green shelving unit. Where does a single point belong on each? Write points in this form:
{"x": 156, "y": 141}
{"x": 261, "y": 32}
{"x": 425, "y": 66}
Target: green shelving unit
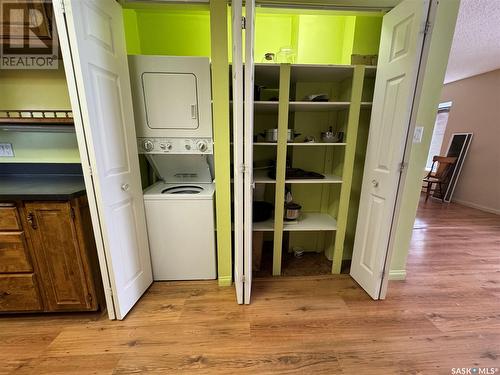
{"x": 329, "y": 204}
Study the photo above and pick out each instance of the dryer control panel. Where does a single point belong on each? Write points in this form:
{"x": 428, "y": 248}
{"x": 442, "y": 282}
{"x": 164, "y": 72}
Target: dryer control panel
{"x": 158, "y": 145}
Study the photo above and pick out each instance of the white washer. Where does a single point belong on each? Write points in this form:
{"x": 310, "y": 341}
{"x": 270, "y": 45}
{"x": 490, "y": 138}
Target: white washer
{"x": 180, "y": 219}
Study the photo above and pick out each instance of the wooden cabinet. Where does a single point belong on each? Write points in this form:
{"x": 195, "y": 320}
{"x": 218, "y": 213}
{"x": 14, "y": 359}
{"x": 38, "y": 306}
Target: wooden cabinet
{"x": 48, "y": 259}
{"x": 19, "y": 292}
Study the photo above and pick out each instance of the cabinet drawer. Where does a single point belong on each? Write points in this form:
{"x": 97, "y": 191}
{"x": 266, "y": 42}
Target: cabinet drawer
{"x": 18, "y": 292}
{"x": 9, "y": 218}
{"x": 14, "y": 255}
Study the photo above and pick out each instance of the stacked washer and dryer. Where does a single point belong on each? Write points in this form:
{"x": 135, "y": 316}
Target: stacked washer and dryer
{"x": 173, "y": 117}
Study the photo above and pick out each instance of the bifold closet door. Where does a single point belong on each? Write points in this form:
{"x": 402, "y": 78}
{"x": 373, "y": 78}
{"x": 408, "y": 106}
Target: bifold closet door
{"x": 248, "y": 141}
{"x": 243, "y": 146}
{"x": 238, "y": 151}
{"x": 93, "y": 46}
{"x": 398, "y": 64}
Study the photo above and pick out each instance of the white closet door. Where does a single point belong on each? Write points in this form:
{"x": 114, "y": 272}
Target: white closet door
{"x": 249, "y": 111}
{"x": 238, "y": 175}
{"x": 95, "y": 42}
{"x": 399, "y": 57}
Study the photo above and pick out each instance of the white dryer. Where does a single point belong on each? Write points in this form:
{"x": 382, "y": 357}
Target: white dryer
{"x": 180, "y": 218}
{"x": 172, "y": 103}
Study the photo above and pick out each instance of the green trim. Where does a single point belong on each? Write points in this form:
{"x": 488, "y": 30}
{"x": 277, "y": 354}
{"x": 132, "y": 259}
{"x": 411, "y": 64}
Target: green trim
{"x": 220, "y": 97}
{"x": 350, "y": 153}
{"x": 225, "y": 281}
{"x": 279, "y": 207}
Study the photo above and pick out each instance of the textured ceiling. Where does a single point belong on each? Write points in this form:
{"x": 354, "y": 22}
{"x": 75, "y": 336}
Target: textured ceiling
{"x": 476, "y": 43}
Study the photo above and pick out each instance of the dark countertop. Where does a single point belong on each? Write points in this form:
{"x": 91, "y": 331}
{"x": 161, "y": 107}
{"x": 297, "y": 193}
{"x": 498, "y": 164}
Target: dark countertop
{"x": 44, "y": 181}
{"x": 41, "y": 187}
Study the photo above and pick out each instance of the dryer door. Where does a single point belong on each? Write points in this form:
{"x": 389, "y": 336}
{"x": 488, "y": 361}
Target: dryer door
{"x": 170, "y": 100}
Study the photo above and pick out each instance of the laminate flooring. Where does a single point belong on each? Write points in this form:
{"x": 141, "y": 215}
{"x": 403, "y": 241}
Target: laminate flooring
{"x": 445, "y": 315}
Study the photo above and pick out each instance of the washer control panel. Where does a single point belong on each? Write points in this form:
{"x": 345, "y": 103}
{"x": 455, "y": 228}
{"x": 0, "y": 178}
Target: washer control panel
{"x": 175, "y": 145}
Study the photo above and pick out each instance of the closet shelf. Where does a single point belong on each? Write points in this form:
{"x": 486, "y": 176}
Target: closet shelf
{"x": 309, "y": 144}
{"x": 266, "y": 106}
{"x": 300, "y": 106}
{"x": 304, "y": 106}
{"x": 308, "y": 222}
{"x": 261, "y": 177}
{"x": 320, "y": 73}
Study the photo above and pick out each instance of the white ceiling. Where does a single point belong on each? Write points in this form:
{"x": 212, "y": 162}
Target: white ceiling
{"x": 476, "y": 43}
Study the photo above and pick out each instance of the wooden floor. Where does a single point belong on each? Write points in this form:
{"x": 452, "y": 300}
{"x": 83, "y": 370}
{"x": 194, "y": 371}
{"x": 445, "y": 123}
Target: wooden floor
{"x": 445, "y": 315}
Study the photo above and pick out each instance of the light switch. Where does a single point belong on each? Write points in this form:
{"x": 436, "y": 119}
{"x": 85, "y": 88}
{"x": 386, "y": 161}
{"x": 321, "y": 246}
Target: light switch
{"x": 417, "y": 136}
{"x": 6, "y": 150}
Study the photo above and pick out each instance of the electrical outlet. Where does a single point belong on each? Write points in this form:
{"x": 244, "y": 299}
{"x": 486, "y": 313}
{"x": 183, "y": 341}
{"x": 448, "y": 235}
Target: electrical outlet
{"x": 417, "y": 136}
{"x": 6, "y": 150}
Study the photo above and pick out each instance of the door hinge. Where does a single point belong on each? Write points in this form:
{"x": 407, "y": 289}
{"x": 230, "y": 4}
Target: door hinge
{"x": 243, "y": 278}
{"x": 63, "y": 7}
{"x": 90, "y": 170}
{"x": 243, "y": 168}
{"x": 402, "y": 166}
{"x": 243, "y": 23}
{"x": 427, "y": 27}
{"x": 109, "y": 291}
{"x": 72, "y": 213}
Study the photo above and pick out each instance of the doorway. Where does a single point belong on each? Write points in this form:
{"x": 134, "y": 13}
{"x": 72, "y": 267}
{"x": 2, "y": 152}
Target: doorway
{"x": 314, "y": 107}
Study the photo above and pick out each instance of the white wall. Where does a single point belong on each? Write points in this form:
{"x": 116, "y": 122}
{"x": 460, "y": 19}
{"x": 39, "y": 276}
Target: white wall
{"x": 476, "y": 109}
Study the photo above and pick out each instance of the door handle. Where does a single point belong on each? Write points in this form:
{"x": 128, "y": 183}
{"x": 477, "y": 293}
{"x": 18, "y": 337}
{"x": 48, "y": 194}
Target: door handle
{"x": 194, "y": 112}
{"x": 125, "y": 187}
{"x": 375, "y": 183}
{"x": 31, "y": 220}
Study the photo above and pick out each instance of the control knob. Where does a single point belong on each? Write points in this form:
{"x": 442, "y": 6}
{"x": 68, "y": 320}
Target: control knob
{"x": 148, "y": 145}
{"x": 166, "y": 146}
{"x": 201, "y": 145}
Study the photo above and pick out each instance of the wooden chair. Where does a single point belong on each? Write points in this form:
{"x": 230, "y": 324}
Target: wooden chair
{"x": 441, "y": 176}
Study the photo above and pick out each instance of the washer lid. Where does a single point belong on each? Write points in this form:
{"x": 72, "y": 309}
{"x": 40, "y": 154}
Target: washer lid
{"x": 165, "y": 191}
{"x": 181, "y": 168}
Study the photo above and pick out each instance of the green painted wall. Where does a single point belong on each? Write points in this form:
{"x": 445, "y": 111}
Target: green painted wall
{"x": 220, "y": 97}
{"x": 323, "y": 38}
{"x": 174, "y": 33}
{"x": 132, "y": 38}
{"x": 367, "y": 35}
{"x": 273, "y": 31}
{"x": 435, "y": 69}
{"x": 37, "y": 89}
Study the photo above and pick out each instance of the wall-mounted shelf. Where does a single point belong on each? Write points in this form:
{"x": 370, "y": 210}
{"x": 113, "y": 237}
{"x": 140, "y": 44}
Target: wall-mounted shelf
{"x": 308, "y": 144}
{"x": 266, "y": 106}
{"x": 261, "y": 177}
{"x": 37, "y": 120}
{"x": 308, "y": 222}
{"x": 303, "y": 106}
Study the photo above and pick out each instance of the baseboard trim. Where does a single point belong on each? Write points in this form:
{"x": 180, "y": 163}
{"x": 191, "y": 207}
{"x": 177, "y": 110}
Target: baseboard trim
{"x": 397, "y": 275}
{"x": 477, "y": 206}
{"x": 225, "y": 280}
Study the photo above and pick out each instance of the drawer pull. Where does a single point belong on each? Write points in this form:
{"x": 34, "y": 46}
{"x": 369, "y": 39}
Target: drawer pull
{"x": 31, "y": 220}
